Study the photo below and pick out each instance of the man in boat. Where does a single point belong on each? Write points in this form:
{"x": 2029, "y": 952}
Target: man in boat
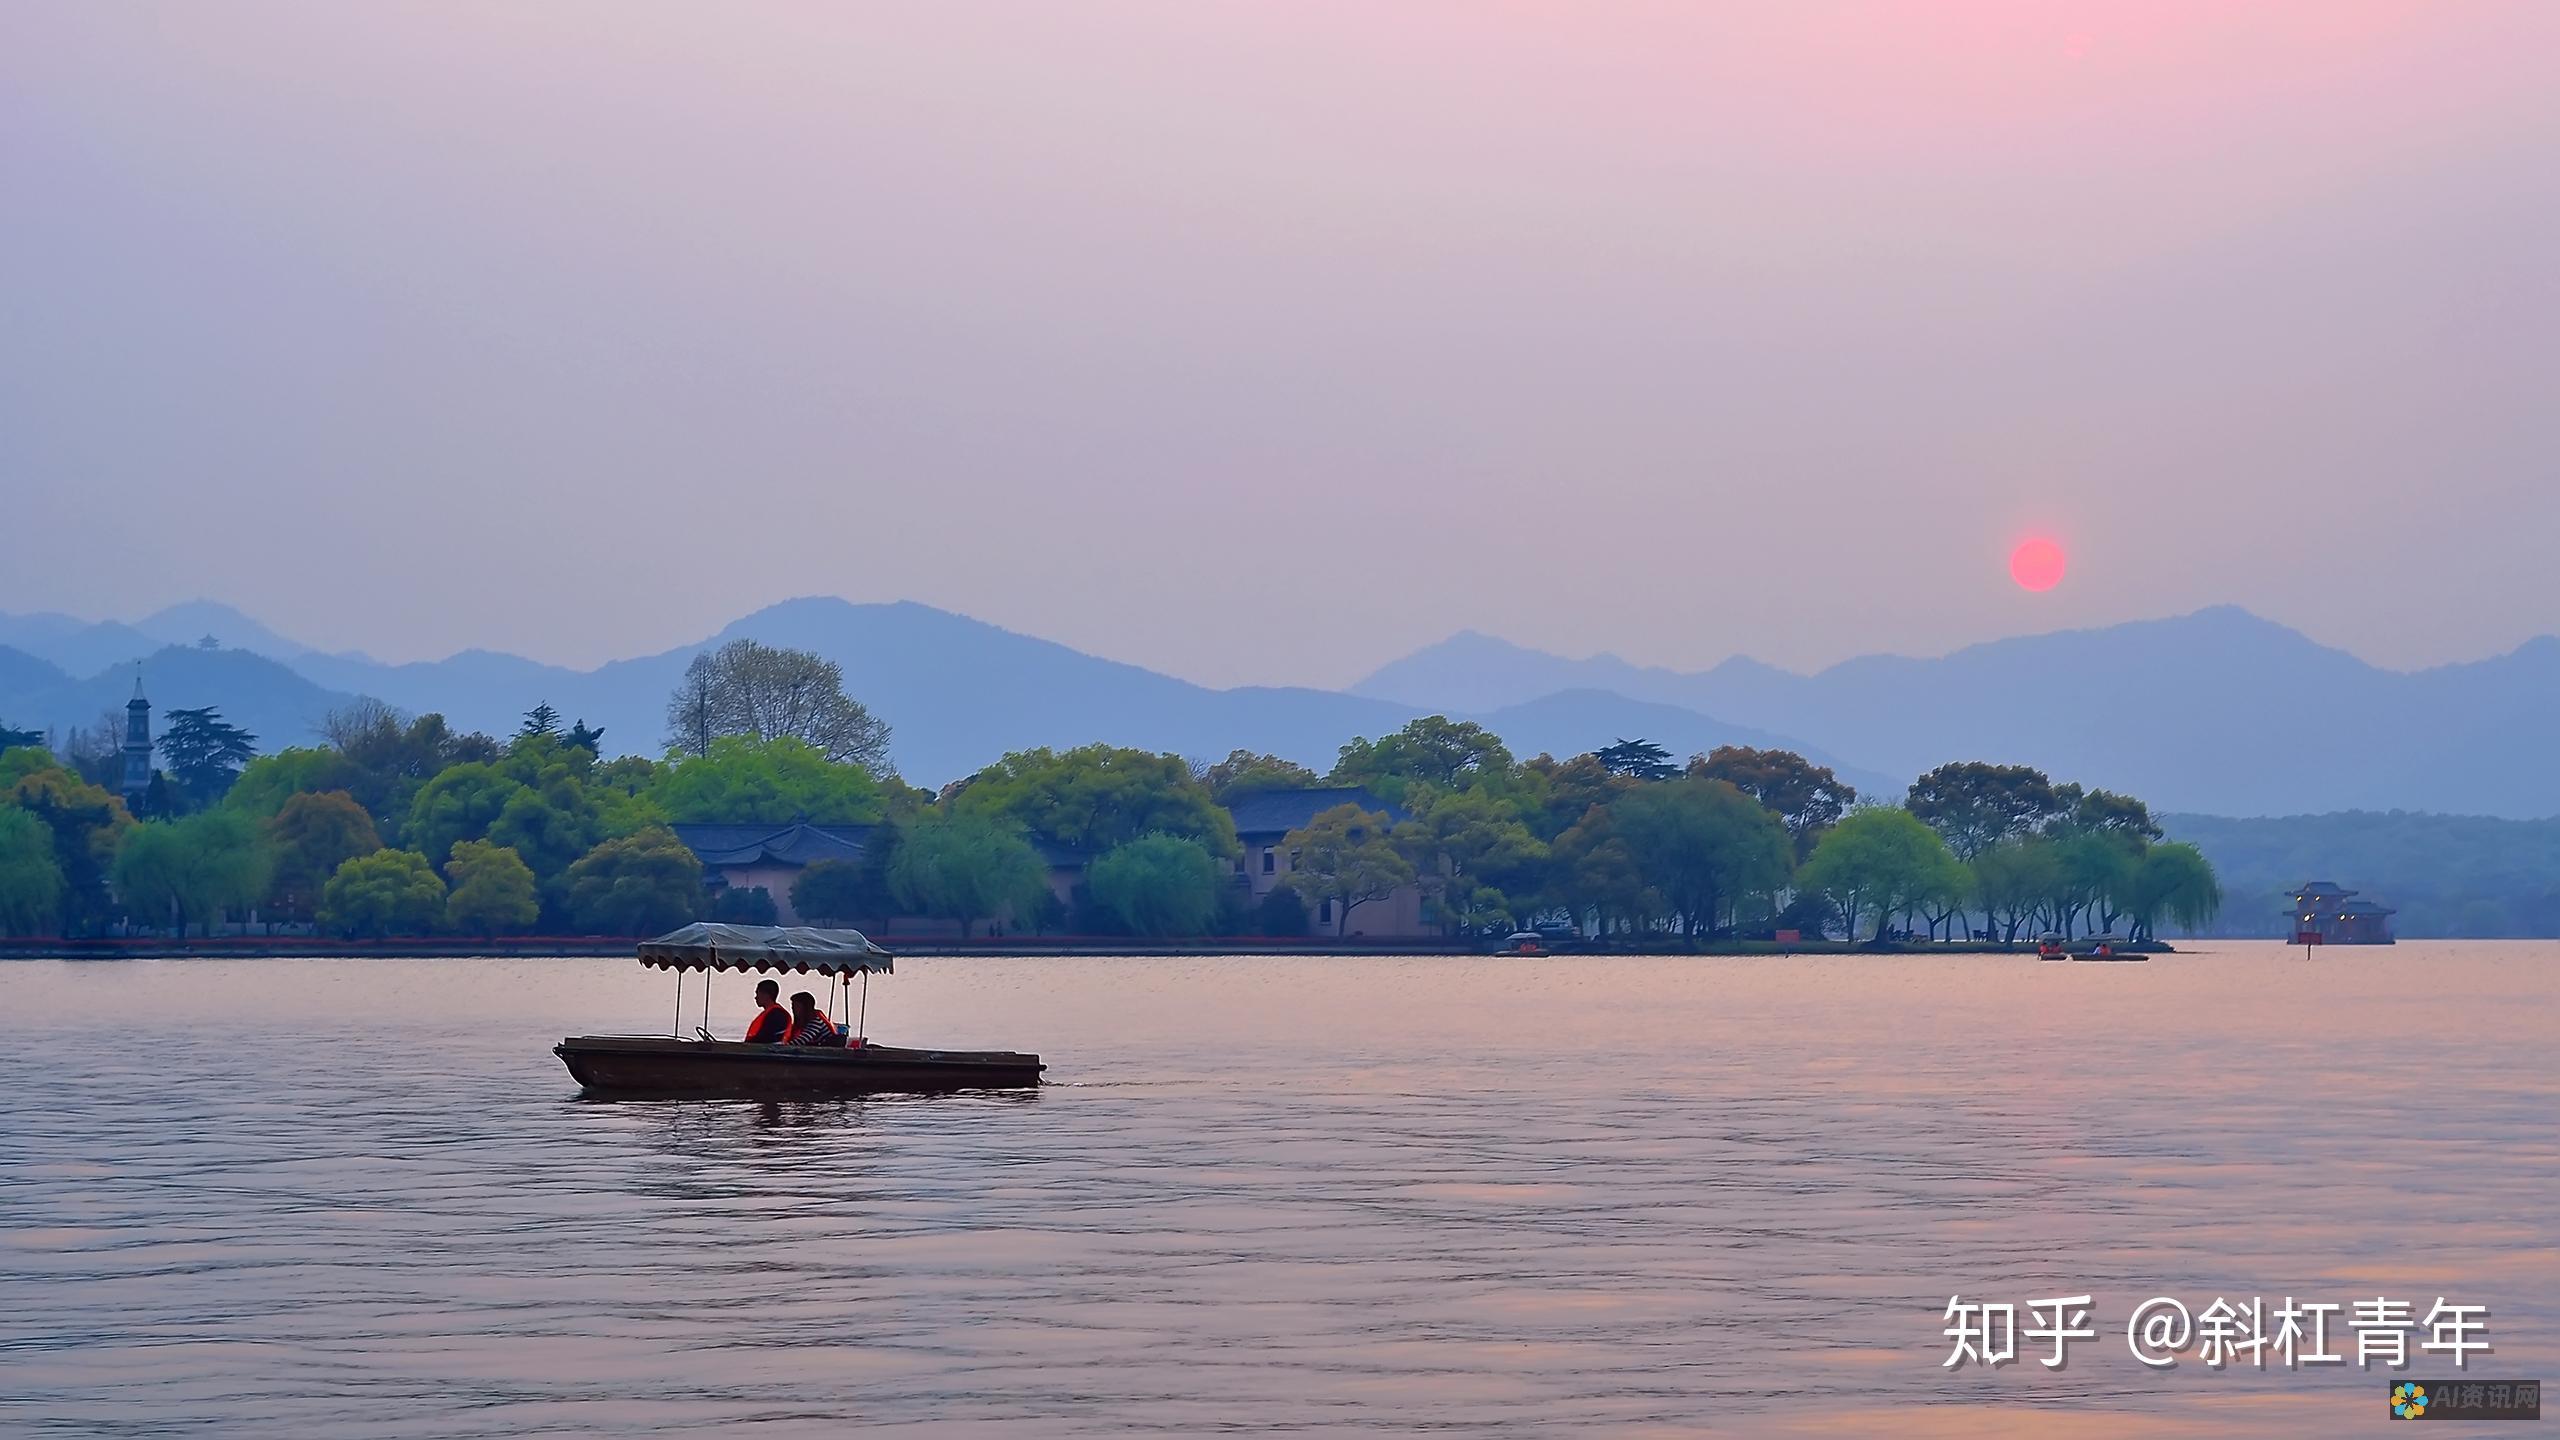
{"x": 809, "y": 1024}
{"x": 772, "y": 1022}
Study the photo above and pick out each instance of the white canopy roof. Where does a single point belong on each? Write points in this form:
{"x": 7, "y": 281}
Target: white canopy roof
{"x": 708, "y": 946}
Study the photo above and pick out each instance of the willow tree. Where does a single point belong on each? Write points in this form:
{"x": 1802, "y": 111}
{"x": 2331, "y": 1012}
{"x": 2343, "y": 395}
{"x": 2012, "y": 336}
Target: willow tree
{"x": 2176, "y": 883}
{"x": 1701, "y": 845}
{"x": 1882, "y": 862}
{"x": 967, "y": 868}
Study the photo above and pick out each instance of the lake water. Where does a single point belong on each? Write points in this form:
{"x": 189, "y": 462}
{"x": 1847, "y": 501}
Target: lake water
{"x": 1284, "y": 1196}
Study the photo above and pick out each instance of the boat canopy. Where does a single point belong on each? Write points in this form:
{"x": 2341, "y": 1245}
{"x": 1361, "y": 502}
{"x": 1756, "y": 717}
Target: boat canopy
{"x": 708, "y": 946}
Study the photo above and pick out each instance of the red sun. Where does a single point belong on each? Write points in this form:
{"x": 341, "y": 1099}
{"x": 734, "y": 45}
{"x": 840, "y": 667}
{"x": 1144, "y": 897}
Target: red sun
{"x": 2037, "y": 563}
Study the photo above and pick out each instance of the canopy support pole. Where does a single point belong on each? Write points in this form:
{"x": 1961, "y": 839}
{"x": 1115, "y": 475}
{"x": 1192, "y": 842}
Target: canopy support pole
{"x": 677, "y": 1025}
{"x": 864, "y": 1017}
{"x": 706, "y": 998}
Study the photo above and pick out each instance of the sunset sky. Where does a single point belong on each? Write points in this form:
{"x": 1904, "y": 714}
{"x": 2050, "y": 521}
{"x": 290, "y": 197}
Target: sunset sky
{"x": 1265, "y": 342}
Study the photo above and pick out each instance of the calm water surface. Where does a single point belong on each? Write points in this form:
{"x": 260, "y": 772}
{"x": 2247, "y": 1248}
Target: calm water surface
{"x": 331, "y": 1198}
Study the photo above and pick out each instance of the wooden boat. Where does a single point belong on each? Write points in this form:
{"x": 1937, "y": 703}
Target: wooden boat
{"x": 664, "y": 1065}
{"x": 652, "y": 1065}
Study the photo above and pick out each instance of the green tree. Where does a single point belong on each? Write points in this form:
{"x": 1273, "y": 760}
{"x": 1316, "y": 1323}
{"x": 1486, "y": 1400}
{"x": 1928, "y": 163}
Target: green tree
{"x": 87, "y": 823}
{"x": 640, "y": 884}
{"x": 1561, "y": 792}
{"x": 11, "y": 737}
{"x": 764, "y": 693}
{"x": 1473, "y": 856}
{"x": 548, "y": 826}
{"x": 1096, "y": 797}
{"x": 1281, "y": 915}
{"x": 389, "y": 892}
{"x": 1701, "y": 845}
{"x": 743, "y": 781}
{"x": 310, "y": 837}
{"x": 540, "y": 720}
{"x": 1807, "y": 797}
{"x": 624, "y": 790}
{"x": 30, "y": 879}
{"x": 1974, "y": 806}
{"x": 268, "y": 781}
{"x": 2096, "y": 869}
{"x": 1594, "y": 872}
{"x": 20, "y": 762}
{"x": 2012, "y": 879}
{"x": 966, "y": 868}
{"x": 589, "y": 738}
{"x": 2108, "y": 813}
{"x": 1881, "y": 862}
{"x": 190, "y": 871}
{"x": 95, "y": 752}
{"x": 745, "y": 905}
{"x": 459, "y": 803}
{"x": 838, "y": 892}
{"x": 1636, "y": 759}
{"x": 1433, "y": 750}
{"x": 205, "y": 753}
{"x": 391, "y": 757}
{"x": 1158, "y": 885}
{"x": 1245, "y": 773}
{"x": 1346, "y": 856}
{"x": 2174, "y": 882}
{"x": 493, "y": 890}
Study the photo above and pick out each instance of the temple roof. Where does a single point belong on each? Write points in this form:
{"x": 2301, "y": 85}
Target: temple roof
{"x": 801, "y": 843}
{"x": 1276, "y": 812}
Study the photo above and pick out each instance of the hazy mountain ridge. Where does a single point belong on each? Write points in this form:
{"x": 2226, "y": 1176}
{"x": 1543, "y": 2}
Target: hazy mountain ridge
{"x": 2218, "y": 712}
{"x": 2284, "y": 726}
{"x": 957, "y": 692}
{"x": 266, "y": 697}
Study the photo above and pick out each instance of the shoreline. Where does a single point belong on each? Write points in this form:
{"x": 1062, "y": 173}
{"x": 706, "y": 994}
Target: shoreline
{"x": 561, "y": 947}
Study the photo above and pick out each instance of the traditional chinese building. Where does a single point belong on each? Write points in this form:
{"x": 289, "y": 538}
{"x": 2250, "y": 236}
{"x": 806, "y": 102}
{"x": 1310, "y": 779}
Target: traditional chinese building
{"x": 1263, "y": 822}
{"x": 740, "y": 858}
{"x": 770, "y": 857}
{"x": 2331, "y": 912}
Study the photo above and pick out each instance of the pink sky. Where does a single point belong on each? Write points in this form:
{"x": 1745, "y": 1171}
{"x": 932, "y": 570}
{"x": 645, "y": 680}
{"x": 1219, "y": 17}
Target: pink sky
{"x": 1262, "y": 343}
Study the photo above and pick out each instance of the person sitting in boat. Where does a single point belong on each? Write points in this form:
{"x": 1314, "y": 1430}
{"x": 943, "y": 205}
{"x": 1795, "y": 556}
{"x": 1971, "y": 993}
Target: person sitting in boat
{"x": 772, "y": 1022}
{"x": 809, "y": 1024}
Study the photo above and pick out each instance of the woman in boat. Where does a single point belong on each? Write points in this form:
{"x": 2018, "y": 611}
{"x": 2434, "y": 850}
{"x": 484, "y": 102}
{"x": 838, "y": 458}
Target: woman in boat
{"x": 809, "y": 1024}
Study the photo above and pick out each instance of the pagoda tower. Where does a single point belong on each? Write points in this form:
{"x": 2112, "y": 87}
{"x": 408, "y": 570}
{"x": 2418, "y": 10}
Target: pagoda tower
{"x": 137, "y": 746}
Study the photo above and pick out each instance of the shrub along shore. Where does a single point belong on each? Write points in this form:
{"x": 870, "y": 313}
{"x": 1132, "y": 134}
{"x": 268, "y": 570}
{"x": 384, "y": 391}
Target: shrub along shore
{"x": 553, "y": 947}
{"x": 400, "y": 836}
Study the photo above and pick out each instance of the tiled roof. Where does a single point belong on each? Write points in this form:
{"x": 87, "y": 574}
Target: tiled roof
{"x": 721, "y": 846}
{"x": 1276, "y": 812}
{"x": 725, "y": 846}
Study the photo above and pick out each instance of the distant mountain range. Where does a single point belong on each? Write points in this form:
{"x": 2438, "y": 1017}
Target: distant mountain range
{"x": 2218, "y": 712}
{"x": 957, "y": 692}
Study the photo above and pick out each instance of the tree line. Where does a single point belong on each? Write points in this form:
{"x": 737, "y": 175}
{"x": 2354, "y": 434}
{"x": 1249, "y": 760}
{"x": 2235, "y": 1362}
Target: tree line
{"x": 398, "y": 825}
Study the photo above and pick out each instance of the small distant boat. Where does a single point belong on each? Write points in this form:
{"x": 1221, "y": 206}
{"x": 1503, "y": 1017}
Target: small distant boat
{"x": 650, "y": 1065}
{"x": 2052, "y": 945}
{"x": 1524, "y": 942}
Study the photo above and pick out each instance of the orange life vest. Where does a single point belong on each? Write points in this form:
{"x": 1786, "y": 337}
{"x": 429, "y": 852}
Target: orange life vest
{"x": 757, "y": 1023}
{"x": 791, "y": 1032}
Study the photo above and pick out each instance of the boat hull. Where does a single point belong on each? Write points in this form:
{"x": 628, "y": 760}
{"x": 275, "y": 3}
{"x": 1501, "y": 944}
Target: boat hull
{"x": 622, "y": 1065}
